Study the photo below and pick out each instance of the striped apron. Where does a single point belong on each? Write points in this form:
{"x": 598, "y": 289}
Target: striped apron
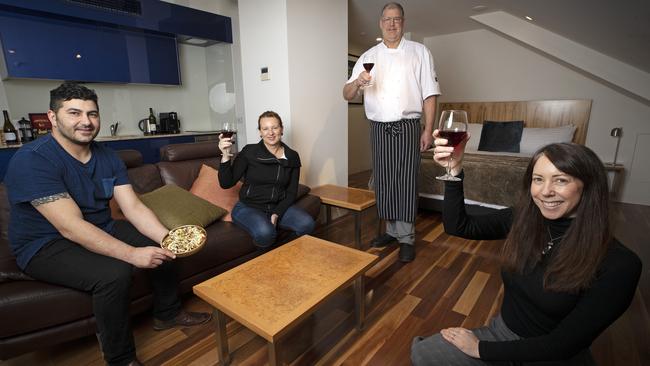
{"x": 395, "y": 165}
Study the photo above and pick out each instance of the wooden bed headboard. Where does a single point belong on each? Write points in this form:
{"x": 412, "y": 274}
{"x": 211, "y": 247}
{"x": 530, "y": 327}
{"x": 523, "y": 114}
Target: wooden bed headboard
{"x": 535, "y": 113}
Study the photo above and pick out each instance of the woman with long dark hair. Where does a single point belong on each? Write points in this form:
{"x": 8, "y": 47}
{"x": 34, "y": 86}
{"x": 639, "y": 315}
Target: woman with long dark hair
{"x": 565, "y": 278}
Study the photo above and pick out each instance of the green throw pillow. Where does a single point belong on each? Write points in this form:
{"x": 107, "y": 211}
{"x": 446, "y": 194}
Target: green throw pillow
{"x": 175, "y": 206}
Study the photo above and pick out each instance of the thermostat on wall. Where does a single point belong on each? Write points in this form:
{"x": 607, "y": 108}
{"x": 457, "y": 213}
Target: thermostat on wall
{"x": 265, "y": 73}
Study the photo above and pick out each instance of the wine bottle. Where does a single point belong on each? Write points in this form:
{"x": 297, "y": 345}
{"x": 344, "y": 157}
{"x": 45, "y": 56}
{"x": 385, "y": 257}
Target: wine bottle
{"x": 11, "y": 135}
{"x": 152, "y": 122}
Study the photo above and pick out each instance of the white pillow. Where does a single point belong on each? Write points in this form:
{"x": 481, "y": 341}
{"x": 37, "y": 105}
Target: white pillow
{"x": 474, "y": 130}
{"x": 534, "y": 138}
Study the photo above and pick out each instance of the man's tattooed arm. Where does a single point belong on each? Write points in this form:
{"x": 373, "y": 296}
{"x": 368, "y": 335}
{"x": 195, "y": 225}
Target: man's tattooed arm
{"x": 48, "y": 199}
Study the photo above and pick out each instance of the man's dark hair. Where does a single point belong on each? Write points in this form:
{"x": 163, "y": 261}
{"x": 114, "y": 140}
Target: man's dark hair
{"x": 68, "y": 91}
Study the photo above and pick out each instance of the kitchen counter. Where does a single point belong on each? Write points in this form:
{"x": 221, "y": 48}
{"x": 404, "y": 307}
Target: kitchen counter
{"x": 136, "y": 137}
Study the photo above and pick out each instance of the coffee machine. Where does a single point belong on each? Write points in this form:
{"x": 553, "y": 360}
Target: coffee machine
{"x": 169, "y": 123}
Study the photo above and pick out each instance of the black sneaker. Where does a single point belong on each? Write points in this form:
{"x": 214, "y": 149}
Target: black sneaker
{"x": 382, "y": 241}
{"x": 406, "y": 252}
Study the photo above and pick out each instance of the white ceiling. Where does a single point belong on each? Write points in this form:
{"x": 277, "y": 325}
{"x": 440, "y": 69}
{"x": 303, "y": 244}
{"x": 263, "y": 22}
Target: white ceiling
{"x": 619, "y": 29}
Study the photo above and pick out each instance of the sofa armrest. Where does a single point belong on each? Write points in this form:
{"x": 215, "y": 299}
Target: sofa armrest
{"x": 302, "y": 190}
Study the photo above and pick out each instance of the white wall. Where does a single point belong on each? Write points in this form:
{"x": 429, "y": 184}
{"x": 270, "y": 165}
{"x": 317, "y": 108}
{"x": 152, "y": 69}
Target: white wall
{"x": 483, "y": 66}
{"x": 318, "y": 68}
{"x": 263, "y": 32}
{"x": 304, "y": 45}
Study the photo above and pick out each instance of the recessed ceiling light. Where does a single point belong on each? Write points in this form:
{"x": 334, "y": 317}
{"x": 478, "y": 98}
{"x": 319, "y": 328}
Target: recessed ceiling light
{"x": 378, "y": 39}
{"x": 479, "y": 8}
{"x": 528, "y": 18}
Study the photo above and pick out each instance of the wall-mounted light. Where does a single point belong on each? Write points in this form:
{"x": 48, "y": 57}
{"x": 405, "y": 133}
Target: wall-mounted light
{"x": 618, "y": 133}
{"x": 528, "y": 18}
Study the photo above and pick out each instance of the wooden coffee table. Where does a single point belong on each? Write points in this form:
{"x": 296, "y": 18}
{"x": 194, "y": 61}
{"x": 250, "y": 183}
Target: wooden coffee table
{"x": 273, "y": 292}
{"x": 353, "y": 199}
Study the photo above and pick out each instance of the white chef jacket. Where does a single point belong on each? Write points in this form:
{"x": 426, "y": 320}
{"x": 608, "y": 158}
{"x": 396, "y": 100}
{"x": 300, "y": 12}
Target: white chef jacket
{"x": 403, "y": 78}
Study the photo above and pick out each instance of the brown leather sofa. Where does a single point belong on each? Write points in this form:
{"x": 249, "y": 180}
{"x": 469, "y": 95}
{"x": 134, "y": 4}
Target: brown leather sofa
{"x": 34, "y": 314}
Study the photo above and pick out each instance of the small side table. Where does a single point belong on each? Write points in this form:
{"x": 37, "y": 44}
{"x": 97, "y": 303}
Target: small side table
{"x": 353, "y": 199}
{"x": 619, "y": 171}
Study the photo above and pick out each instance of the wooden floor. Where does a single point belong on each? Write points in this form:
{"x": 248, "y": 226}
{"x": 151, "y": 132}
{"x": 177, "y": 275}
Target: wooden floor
{"x": 451, "y": 282}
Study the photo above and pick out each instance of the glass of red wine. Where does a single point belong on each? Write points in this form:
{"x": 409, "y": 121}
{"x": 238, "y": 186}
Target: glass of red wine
{"x": 453, "y": 127}
{"x": 368, "y": 65}
{"x": 228, "y": 131}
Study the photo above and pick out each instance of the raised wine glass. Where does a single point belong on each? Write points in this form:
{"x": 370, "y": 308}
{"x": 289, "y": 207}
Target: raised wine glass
{"x": 368, "y": 64}
{"x": 229, "y": 130}
{"x": 453, "y": 127}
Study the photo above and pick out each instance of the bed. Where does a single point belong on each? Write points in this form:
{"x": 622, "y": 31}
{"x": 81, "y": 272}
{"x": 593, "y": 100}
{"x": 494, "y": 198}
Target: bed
{"x": 493, "y": 179}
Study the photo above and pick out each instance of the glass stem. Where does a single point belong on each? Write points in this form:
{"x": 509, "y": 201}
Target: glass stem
{"x": 449, "y": 165}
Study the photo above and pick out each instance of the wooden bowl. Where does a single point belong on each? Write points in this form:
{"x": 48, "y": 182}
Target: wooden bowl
{"x": 185, "y": 240}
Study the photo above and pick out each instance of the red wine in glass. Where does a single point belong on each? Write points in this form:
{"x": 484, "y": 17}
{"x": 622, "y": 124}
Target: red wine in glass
{"x": 452, "y": 127}
{"x": 228, "y": 131}
{"x": 453, "y": 137}
{"x": 227, "y": 134}
{"x": 368, "y": 66}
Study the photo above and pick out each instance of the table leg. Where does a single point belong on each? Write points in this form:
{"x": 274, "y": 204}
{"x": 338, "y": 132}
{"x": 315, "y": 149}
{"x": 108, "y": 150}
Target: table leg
{"x": 360, "y": 302}
{"x": 328, "y": 214}
{"x": 222, "y": 338}
{"x": 274, "y": 354}
{"x": 357, "y": 229}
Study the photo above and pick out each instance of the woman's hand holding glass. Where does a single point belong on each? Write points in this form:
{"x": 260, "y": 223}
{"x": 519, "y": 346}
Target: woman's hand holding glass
{"x": 442, "y": 153}
{"x": 452, "y": 127}
{"x": 225, "y": 144}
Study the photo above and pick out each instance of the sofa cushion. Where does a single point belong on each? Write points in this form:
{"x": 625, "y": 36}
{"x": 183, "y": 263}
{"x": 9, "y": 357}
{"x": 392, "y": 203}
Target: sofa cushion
{"x": 207, "y": 187}
{"x": 190, "y": 151}
{"x": 184, "y": 173}
{"x": 145, "y": 178}
{"x": 175, "y": 206}
{"x": 501, "y": 136}
{"x": 131, "y": 158}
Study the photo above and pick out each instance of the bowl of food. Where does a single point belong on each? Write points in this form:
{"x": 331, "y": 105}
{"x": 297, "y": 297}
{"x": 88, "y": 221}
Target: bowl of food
{"x": 185, "y": 240}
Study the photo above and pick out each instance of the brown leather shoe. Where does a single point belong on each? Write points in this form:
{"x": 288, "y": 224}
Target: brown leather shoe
{"x": 183, "y": 319}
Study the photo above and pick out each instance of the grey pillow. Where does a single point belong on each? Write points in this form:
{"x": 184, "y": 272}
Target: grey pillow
{"x": 501, "y": 136}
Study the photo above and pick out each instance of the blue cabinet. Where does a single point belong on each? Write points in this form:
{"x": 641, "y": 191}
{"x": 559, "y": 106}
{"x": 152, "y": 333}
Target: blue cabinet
{"x": 149, "y": 15}
{"x": 60, "y": 49}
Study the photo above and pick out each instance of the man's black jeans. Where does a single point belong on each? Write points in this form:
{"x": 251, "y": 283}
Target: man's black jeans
{"x": 108, "y": 280}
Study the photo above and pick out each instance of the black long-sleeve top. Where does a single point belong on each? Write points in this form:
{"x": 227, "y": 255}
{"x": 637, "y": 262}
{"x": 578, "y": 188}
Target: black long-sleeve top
{"x": 553, "y": 325}
{"x": 270, "y": 184}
